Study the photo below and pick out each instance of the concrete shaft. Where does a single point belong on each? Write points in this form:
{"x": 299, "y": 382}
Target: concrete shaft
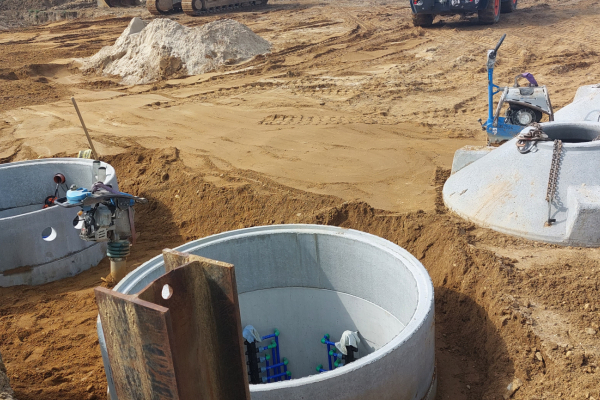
{"x": 308, "y": 280}
{"x": 585, "y": 106}
{"x": 506, "y": 190}
{"x": 40, "y": 245}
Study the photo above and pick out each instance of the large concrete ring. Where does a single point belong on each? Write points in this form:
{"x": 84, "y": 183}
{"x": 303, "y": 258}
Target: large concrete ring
{"x": 363, "y": 283}
{"x": 39, "y": 245}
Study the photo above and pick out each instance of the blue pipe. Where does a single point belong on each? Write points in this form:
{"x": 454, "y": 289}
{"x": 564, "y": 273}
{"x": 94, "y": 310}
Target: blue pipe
{"x": 320, "y": 368}
{"x": 267, "y": 366}
{"x": 271, "y": 346}
{"x": 326, "y": 341}
{"x": 335, "y": 355}
{"x": 265, "y": 358}
{"x": 272, "y": 335}
{"x": 277, "y": 348}
{"x": 490, "y": 95}
{"x": 283, "y": 364}
{"x": 274, "y": 357}
{"x": 287, "y": 374}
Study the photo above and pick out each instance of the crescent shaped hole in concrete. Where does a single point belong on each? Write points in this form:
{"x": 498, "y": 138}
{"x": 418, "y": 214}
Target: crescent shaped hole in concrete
{"x": 49, "y": 234}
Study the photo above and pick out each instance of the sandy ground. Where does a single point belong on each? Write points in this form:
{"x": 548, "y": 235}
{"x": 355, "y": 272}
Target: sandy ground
{"x": 352, "y": 121}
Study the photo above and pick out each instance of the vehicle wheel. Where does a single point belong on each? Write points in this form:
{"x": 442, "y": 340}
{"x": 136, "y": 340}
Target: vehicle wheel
{"x": 422, "y": 19}
{"x": 491, "y": 13}
{"x": 508, "y": 6}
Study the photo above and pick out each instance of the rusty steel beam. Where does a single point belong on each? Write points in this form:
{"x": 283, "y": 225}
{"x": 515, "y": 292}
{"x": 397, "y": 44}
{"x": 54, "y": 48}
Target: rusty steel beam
{"x": 180, "y": 337}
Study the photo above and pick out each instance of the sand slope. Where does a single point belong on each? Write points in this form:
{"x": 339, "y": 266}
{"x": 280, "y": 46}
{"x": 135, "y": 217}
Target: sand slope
{"x": 352, "y": 120}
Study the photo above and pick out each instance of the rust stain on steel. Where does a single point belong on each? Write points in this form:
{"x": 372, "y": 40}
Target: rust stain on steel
{"x": 200, "y": 332}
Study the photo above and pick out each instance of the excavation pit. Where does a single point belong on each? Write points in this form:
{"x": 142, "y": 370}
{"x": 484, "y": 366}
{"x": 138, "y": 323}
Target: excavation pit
{"x": 44, "y": 247}
{"x": 308, "y": 280}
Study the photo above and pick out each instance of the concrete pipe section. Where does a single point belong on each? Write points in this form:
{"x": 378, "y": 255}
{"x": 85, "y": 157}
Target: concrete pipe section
{"x": 39, "y": 244}
{"x": 309, "y": 280}
{"x": 506, "y": 190}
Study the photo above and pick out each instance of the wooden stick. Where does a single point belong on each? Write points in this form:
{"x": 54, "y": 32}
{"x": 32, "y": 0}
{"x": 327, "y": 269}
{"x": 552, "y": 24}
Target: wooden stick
{"x": 95, "y": 154}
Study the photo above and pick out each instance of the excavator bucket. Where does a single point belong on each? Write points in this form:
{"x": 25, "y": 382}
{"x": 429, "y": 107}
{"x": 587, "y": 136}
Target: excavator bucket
{"x": 119, "y": 3}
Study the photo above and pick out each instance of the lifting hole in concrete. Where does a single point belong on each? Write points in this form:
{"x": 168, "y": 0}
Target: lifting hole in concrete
{"x": 49, "y": 234}
{"x": 572, "y": 132}
{"x": 167, "y": 292}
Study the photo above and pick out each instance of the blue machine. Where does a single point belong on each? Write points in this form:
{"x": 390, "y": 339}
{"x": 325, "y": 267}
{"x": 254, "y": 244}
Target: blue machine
{"x": 526, "y": 105}
{"x": 488, "y": 11}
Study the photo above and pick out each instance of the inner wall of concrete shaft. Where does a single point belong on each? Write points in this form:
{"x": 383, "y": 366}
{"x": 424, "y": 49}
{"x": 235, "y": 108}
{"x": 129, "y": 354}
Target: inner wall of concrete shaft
{"x": 309, "y": 280}
{"x": 44, "y": 247}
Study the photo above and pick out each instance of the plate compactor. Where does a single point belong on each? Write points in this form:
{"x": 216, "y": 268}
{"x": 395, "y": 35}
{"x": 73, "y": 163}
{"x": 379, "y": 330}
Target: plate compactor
{"x": 488, "y": 11}
{"x": 526, "y": 104}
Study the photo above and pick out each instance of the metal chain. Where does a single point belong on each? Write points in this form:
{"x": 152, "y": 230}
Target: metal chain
{"x": 527, "y": 139}
{"x": 554, "y": 168}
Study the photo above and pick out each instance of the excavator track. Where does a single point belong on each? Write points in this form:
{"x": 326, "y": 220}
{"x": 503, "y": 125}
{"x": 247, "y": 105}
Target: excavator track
{"x": 151, "y": 6}
{"x": 202, "y": 7}
{"x": 117, "y": 3}
{"x": 190, "y": 6}
{"x": 163, "y": 7}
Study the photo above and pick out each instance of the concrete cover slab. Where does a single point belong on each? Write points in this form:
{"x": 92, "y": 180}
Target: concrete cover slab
{"x": 506, "y": 190}
{"x": 585, "y": 106}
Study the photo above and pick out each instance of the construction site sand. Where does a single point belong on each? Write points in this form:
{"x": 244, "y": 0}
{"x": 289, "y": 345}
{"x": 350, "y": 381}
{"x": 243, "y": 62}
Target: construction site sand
{"x": 163, "y": 49}
{"x": 353, "y": 107}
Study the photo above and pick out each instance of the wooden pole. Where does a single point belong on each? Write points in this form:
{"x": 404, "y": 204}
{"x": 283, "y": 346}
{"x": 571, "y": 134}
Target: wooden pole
{"x": 95, "y": 154}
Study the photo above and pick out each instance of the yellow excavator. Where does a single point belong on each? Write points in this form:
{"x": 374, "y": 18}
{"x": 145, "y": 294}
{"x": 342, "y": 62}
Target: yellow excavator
{"x": 190, "y": 7}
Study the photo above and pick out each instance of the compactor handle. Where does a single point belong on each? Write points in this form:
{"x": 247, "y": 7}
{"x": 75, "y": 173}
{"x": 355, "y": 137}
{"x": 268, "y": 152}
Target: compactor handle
{"x": 495, "y": 51}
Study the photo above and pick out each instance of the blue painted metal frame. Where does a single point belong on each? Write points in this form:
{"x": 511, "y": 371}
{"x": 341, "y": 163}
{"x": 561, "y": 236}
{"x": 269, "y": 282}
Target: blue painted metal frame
{"x": 502, "y": 131}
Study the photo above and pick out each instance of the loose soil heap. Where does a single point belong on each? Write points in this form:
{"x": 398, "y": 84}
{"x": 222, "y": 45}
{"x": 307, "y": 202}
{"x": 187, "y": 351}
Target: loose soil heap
{"x": 17, "y": 13}
{"x": 165, "y": 49}
{"x": 499, "y": 319}
{"x": 326, "y": 112}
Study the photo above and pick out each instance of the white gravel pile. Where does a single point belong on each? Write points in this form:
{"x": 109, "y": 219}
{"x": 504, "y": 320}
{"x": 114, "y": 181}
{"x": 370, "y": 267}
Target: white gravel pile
{"x": 163, "y": 49}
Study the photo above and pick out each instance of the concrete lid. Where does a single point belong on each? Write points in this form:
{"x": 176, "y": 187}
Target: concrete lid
{"x": 506, "y": 190}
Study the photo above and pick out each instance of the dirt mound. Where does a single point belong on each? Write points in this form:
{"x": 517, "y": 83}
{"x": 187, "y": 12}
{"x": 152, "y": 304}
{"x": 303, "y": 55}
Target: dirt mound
{"x": 18, "y": 13}
{"x": 38, "y": 5}
{"x": 165, "y": 49}
{"x": 327, "y": 111}
{"x": 497, "y": 317}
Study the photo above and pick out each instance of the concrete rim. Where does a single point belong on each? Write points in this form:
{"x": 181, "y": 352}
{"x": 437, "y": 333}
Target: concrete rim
{"x": 423, "y": 281}
{"x": 583, "y": 124}
{"x": 110, "y": 174}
